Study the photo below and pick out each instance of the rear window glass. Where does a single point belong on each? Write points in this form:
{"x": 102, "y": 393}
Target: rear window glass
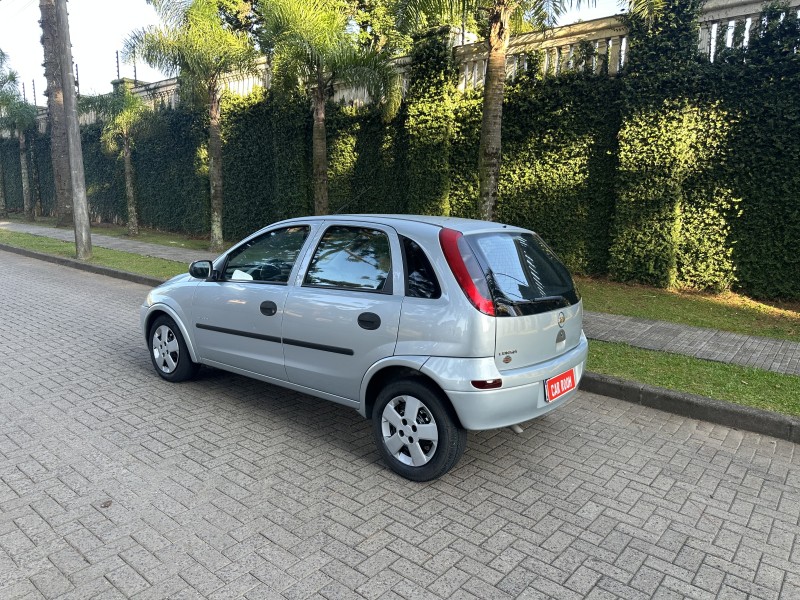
{"x": 524, "y": 274}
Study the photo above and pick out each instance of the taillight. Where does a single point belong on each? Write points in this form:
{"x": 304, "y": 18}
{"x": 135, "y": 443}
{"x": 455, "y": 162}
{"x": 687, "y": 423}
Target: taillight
{"x": 466, "y": 270}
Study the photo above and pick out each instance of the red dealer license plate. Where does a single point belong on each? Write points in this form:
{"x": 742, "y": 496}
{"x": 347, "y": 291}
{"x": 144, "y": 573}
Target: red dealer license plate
{"x": 560, "y": 385}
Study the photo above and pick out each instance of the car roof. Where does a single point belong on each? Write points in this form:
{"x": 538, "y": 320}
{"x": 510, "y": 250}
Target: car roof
{"x": 457, "y": 223}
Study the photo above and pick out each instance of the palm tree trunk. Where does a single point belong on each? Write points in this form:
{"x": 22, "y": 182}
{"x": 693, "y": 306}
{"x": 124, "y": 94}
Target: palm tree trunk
{"x": 319, "y": 149}
{"x": 27, "y": 205}
{"x": 3, "y": 211}
{"x": 490, "y": 149}
{"x": 37, "y": 188}
{"x": 55, "y": 107}
{"x": 133, "y": 219}
{"x": 215, "y": 169}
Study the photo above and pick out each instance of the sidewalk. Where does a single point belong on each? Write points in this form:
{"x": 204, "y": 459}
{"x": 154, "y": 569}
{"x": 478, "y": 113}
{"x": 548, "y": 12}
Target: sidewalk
{"x": 770, "y": 354}
{"x": 107, "y": 241}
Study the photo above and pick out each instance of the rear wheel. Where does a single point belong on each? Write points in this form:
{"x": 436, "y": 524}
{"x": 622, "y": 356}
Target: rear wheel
{"x": 168, "y": 351}
{"x": 416, "y": 431}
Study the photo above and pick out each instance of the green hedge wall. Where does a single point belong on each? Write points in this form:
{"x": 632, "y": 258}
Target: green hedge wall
{"x": 762, "y": 164}
{"x": 674, "y": 205}
{"x": 171, "y": 170}
{"x": 559, "y": 167}
{"x": 12, "y": 180}
{"x": 266, "y": 163}
{"x": 366, "y": 159}
{"x": 677, "y": 172}
{"x": 105, "y": 179}
{"x": 428, "y": 117}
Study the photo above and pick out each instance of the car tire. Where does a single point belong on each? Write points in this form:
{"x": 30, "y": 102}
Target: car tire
{"x": 425, "y": 447}
{"x": 168, "y": 351}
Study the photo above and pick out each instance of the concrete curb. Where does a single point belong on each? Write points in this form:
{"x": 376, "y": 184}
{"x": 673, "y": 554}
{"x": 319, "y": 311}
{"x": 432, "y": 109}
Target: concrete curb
{"x": 90, "y": 268}
{"x": 688, "y": 405}
{"x": 696, "y": 407}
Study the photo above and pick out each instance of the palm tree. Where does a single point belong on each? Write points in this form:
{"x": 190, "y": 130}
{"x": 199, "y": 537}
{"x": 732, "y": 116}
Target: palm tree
{"x": 122, "y": 113}
{"x": 57, "y": 118}
{"x": 8, "y": 90}
{"x": 20, "y": 117}
{"x": 503, "y": 16}
{"x": 312, "y": 50}
{"x": 193, "y": 42}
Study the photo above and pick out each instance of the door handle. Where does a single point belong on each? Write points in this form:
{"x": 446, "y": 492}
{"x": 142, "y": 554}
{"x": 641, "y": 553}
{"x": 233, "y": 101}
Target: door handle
{"x": 268, "y": 308}
{"x": 369, "y": 321}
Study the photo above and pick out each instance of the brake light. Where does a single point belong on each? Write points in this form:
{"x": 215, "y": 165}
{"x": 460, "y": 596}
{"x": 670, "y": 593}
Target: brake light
{"x": 466, "y": 270}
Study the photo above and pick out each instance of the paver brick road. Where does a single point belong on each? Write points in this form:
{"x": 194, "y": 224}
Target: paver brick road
{"x": 115, "y": 484}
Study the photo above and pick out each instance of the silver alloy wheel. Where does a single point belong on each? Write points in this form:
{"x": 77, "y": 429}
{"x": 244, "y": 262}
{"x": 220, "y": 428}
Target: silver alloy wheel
{"x": 409, "y": 430}
{"x": 166, "y": 351}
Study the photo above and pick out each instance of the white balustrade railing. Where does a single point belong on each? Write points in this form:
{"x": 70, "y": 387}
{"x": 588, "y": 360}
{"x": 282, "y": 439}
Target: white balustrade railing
{"x": 597, "y": 46}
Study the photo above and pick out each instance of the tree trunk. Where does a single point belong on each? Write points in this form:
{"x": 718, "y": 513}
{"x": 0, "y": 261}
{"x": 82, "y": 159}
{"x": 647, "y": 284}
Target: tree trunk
{"x": 490, "y": 149}
{"x": 215, "y": 169}
{"x": 319, "y": 150}
{"x": 133, "y": 218}
{"x": 80, "y": 204}
{"x": 55, "y": 107}
{"x": 27, "y": 205}
{"x": 3, "y": 211}
{"x": 37, "y": 188}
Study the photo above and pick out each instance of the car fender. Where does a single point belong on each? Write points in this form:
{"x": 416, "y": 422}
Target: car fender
{"x": 165, "y": 308}
{"x": 409, "y": 362}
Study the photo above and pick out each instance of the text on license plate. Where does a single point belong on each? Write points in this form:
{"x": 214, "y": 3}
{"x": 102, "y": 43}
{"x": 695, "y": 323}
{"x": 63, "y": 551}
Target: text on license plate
{"x": 559, "y": 385}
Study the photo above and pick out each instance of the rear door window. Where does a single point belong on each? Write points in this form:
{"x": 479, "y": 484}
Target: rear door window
{"x": 352, "y": 258}
{"x": 524, "y": 274}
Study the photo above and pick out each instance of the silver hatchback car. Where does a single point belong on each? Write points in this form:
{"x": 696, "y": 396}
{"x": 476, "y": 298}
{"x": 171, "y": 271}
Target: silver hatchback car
{"x": 429, "y": 326}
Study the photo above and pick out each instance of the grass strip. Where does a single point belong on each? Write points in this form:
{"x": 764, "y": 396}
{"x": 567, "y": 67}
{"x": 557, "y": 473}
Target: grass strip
{"x": 727, "y": 311}
{"x": 114, "y": 259}
{"x": 151, "y": 236}
{"x": 721, "y": 381}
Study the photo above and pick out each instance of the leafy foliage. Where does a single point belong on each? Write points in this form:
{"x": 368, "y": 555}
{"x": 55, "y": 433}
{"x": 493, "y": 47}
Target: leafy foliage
{"x": 559, "y": 172}
{"x": 429, "y": 121}
{"x": 759, "y": 83}
{"x": 266, "y": 161}
{"x": 674, "y": 207}
{"x": 675, "y": 173}
{"x": 196, "y": 43}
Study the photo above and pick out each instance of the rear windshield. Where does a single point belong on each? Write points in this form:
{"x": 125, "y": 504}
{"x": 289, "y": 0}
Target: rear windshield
{"x": 525, "y": 276}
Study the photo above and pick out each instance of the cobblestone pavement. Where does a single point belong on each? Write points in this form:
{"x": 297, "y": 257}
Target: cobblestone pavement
{"x": 769, "y": 354}
{"x": 115, "y": 484}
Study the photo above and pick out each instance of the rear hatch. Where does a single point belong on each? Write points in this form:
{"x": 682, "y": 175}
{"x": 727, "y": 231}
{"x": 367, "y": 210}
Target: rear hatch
{"x": 539, "y": 314}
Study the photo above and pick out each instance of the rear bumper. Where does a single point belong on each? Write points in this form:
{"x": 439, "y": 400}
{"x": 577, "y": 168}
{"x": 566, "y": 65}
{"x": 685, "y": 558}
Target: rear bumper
{"x": 522, "y": 396}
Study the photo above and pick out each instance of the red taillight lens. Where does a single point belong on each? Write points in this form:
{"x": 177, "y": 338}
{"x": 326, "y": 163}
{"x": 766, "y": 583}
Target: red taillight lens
{"x": 487, "y": 384}
{"x": 466, "y": 270}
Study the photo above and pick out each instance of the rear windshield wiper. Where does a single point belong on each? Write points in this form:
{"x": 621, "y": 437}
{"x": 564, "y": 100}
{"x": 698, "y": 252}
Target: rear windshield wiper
{"x": 523, "y": 307}
{"x": 558, "y": 300}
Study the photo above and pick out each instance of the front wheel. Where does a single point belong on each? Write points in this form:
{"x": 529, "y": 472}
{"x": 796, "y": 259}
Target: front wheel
{"x": 168, "y": 351}
{"x": 416, "y": 431}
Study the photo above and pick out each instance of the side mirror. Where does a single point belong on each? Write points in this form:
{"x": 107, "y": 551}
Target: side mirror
{"x": 201, "y": 269}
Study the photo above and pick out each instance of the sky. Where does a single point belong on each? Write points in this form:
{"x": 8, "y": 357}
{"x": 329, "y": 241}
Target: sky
{"x": 98, "y": 29}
